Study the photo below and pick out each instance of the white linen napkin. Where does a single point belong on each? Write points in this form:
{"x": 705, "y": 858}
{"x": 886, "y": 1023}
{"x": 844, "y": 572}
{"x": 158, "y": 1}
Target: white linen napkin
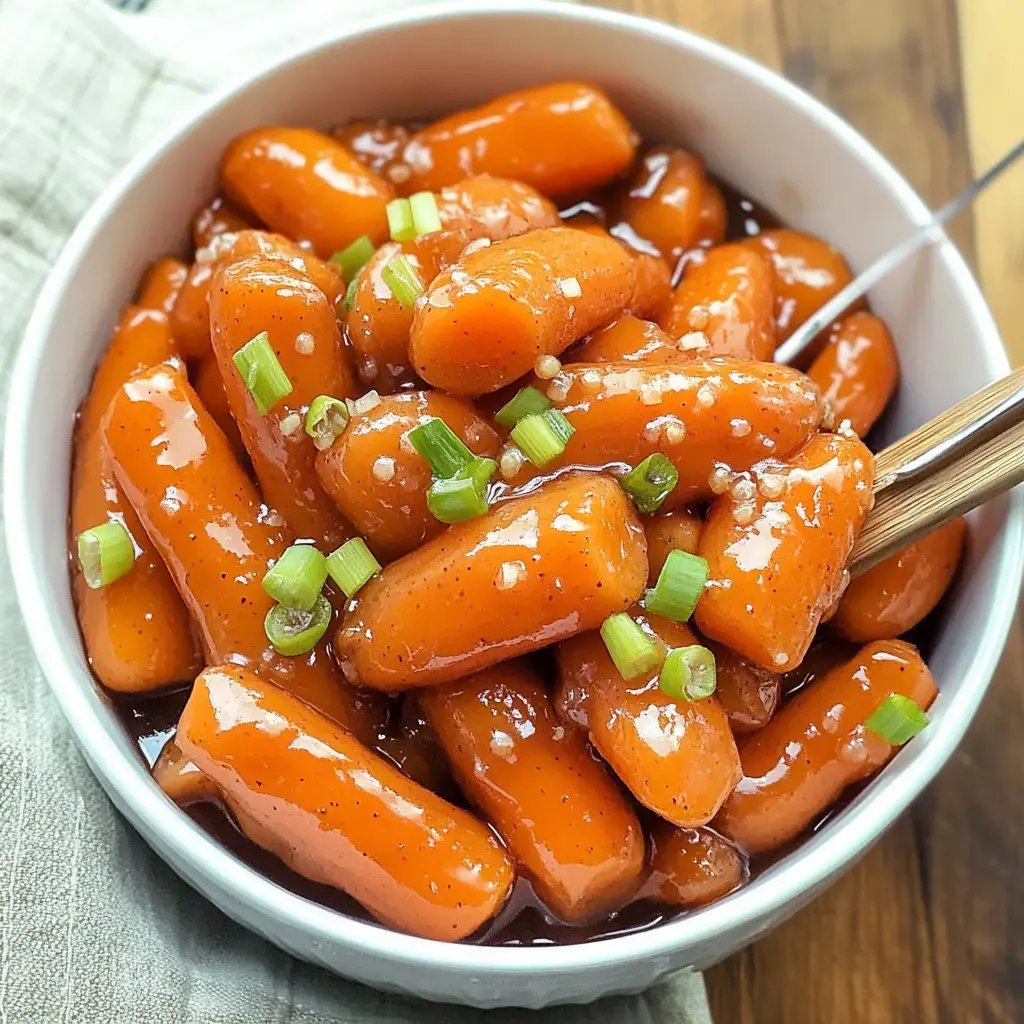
{"x": 94, "y": 928}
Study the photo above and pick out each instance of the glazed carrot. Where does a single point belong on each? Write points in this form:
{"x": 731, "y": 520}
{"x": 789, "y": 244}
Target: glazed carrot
{"x": 413, "y": 747}
{"x": 207, "y": 520}
{"x": 898, "y": 593}
{"x": 748, "y": 693}
{"x": 652, "y": 286}
{"x": 378, "y": 144}
{"x": 137, "y": 632}
{"x": 485, "y": 321}
{"x": 808, "y": 272}
{"x": 629, "y": 340}
{"x": 532, "y": 571}
{"x": 691, "y": 866}
{"x": 217, "y": 217}
{"x": 561, "y": 138}
{"x": 777, "y": 545}
{"x": 260, "y": 295}
{"x": 305, "y": 185}
{"x": 190, "y": 318}
{"x": 673, "y": 531}
{"x": 857, "y": 370}
{"x": 304, "y": 788}
{"x": 379, "y": 481}
{"x": 663, "y": 200}
{"x": 714, "y": 218}
{"x": 677, "y": 757}
{"x": 161, "y": 284}
{"x": 703, "y": 415}
{"x": 180, "y": 778}
{"x": 818, "y": 744}
{"x": 487, "y": 207}
{"x": 209, "y": 386}
{"x": 729, "y": 299}
{"x": 561, "y": 816}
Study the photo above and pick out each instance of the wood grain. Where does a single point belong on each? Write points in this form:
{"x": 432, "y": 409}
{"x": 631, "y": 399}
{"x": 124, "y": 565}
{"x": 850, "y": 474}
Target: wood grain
{"x": 929, "y": 927}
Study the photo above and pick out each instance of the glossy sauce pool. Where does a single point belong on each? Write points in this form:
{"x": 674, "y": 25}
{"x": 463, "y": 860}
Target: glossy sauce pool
{"x": 524, "y": 921}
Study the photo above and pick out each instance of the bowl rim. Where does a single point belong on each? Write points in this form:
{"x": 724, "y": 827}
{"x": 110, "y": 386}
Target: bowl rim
{"x": 792, "y": 878}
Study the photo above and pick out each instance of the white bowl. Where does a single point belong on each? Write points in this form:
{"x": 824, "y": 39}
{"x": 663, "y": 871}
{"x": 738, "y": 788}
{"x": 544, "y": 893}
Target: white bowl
{"x": 758, "y": 131}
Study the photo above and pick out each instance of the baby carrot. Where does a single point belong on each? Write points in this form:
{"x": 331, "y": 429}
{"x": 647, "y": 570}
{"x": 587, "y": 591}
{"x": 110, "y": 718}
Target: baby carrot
{"x": 217, "y": 217}
{"x": 564, "y": 820}
{"x": 818, "y": 744}
{"x": 180, "y": 779}
{"x": 161, "y": 284}
{"x": 691, "y": 866}
{"x": 532, "y": 571}
{"x": 378, "y": 144}
{"x": 630, "y": 340}
{"x": 495, "y": 208}
{"x": 777, "y": 544}
{"x": 304, "y": 788}
{"x": 672, "y": 531}
{"x": 209, "y": 386}
{"x": 748, "y": 693}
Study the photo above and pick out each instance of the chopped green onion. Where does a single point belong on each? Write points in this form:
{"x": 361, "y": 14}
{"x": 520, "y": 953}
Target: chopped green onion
{"x": 350, "y": 292}
{"x": 354, "y": 257}
{"x": 400, "y": 221}
{"x": 352, "y": 565}
{"x": 292, "y": 631}
{"x": 528, "y": 402}
{"x": 403, "y": 280}
{"x": 106, "y": 553}
{"x": 441, "y": 447}
{"x": 897, "y": 719}
{"x": 632, "y": 650}
{"x": 679, "y": 587}
{"x": 463, "y": 496}
{"x": 425, "y": 217}
{"x": 297, "y": 577}
{"x": 257, "y": 363}
{"x": 688, "y": 673}
{"x": 650, "y": 483}
{"x": 326, "y": 419}
{"x": 542, "y": 436}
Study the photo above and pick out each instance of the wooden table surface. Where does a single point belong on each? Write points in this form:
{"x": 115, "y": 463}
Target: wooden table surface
{"x": 929, "y": 927}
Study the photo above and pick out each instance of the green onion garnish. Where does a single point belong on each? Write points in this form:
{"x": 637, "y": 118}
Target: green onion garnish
{"x": 292, "y": 631}
{"x": 542, "y": 436}
{"x": 267, "y": 382}
{"x": 106, "y": 553}
{"x": 352, "y": 565}
{"x": 350, "y": 292}
{"x": 400, "y": 222}
{"x": 632, "y": 650}
{"x": 463, "y": 496}
{"x": 679, "y": 587}
{"x": 326, "y": 419}
{"x": 297, "y": 577}
{"x": 403, "y": 280}
{"x": 897, "y": 719}
{"x": 441, "y": 447}
{"x": 650, "y": 483}
{"x": 354, "y": 257}
{"x": 528, "y": 402}
{"x": 425, "y": 217}
{"x": 688, "y": 673}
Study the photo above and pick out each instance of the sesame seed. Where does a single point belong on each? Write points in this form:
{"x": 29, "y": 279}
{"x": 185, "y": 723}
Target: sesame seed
{"x": 547, "y": 367}
{"x": 384, "y": 468}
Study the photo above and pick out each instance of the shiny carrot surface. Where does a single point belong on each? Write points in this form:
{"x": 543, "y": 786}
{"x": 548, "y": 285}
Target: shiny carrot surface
{"x": 714, "y": 217}
{"x": 532, "y": 571}
{"x": 857, "y": 370}
{"x": 677, "y": 757}
{"x": 378, "y": 144}
{"x": 304, "y": 788}
{"x": 702, "y": 415}
{"x": 630, "y": 340}
{"x": 691, "y": 866}
{"x": 259, "y": 295}
{"x": 562, "y": 817}
{"x": 495, "y": 208}
{"x": 748, "y": 693}
{"x": 181, "y": 778}
{"x": 652, "y": 286}
{"x": 559, "y": 139}
{"x": 307, "y": 186}
{"x": 777, "y": 544}
{"x": 799, "y": 763}
{"x": 207, "y": 520}
{"x": 379, "y": 481}
{"x": 485, "y": 321}
{"x": 161, "y": 283}
{"x": 898, "y": 593}
{"x": 217, "y": 217}
{"x": 808, "y": 272}
{"x": 672, "y": 531}
{"x": 137, "y": 631}
{"x": 729, "y": 299}
{"x": 209, "y": 386}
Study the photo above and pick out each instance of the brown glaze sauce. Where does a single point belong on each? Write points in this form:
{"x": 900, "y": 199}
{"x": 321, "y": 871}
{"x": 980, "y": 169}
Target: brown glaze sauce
{"x": 524, "y": 921}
